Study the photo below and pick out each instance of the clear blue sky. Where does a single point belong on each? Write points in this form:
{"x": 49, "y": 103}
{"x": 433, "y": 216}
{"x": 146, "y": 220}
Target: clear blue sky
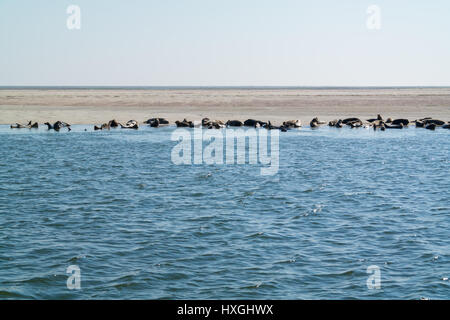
{"x": 225, "y": 42}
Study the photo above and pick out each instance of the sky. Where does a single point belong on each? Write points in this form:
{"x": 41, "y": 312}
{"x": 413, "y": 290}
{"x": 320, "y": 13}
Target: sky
{"x": 225, "y": 43}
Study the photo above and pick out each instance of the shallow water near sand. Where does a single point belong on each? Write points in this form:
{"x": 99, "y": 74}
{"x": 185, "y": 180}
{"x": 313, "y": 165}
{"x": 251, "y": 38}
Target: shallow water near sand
{"x": 140, "y": 227}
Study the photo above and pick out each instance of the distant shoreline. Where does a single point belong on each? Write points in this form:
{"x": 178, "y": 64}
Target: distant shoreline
{"x": 219, "y": 87}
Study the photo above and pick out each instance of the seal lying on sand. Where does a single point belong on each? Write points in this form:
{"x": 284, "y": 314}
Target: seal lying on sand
{"x": 292, "y": 124}
{"x": 427, "y": 121}
{"x": 404, "y": 122}
{"x": 34, "y": 125}
{"x": 103, "y": 126}
{"x": 18, "y": 126}
{"x": 336, "y": 123}
{"x": 131, "y": 124}
{"x": 333, "y": 123}
{"x": 184, "y": 124}
{"x": 106, "y": 126}
{"x": 206, "y": 122}
{"x": 161, "y": 120}
{"x": 234, "y": 123}
{"x": 57, "y": 125}
{"x": 252, "y": 123}
{"x": 353, "y": 122}
{"x": 255, "y": 123}
{"x": 269, "y": 126}
{"x": 212, "y": 124}
{"x": 30, "y": 125}
{"x": 388, "y": 124}
{"x": 436, "y": 122}
{"x": 315, "y": 123}
{"x": 156, "y": 122}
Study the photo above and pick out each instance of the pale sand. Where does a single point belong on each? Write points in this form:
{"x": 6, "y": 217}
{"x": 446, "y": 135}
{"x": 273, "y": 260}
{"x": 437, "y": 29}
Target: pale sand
{"x": 98, "y": 106}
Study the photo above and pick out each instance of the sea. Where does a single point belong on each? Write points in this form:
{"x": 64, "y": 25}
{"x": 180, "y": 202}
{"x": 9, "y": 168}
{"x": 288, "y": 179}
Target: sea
{"x": 349, "y": 214}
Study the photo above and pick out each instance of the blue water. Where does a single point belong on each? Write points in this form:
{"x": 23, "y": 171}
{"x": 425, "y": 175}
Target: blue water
{"x": 140, "y": 227}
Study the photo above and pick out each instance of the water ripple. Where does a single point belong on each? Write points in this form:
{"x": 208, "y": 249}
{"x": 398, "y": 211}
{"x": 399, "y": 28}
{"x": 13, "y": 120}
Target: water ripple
{"x": 140, "y": 227}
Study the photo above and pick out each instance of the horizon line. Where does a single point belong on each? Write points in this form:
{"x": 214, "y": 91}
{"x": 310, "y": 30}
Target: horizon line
{"x": 199, "y": 87}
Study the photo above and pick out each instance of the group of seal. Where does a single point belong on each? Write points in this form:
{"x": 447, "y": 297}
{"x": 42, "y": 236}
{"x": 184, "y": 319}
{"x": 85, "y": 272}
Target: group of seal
{"x": 58, "y": 125}
{"x": 131, "y": 124}
{"x": 218, "y": 124}
{"x": 212, "y": 124}
{"x": 389, "y": 123}
{"x": 431, "y": 124}
{"x": 30, "y": 125}
{"x": 184, "y": 124}
{"x": 290, "y": 124}
{"x": 376, "y": 123}
{"x": 106, "y": 126}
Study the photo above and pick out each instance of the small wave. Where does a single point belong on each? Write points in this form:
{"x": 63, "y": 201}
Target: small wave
{"x": 253, "y": 286}
{"x": 76, "y": 258}
{"x": 286, "y": 261}
{"x": 257, "y": 234}
{"x": 347, "y": 273}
